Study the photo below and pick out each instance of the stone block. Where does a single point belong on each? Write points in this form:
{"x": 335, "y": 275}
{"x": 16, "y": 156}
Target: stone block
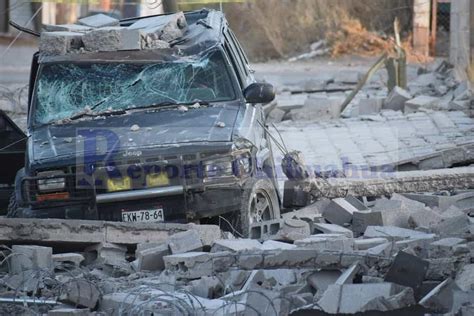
{"x": 60, "y": 43}
{"x": 339, "y": 212}
{"x": 190, "y": 265}
{"x": 112, "y": 38}
{"x": 332, "y": 229}
{"x": 74, "y": 259}
{"x": 151, "y": 259}
{"x": 235, "y": 245}
{"x": 31, "y": 258}
{"x": 396, "y": 99}
{"x": 98, "y": 20}
{"x": 82, "y": 293}
{"x": 185, "y": 241}
{"x": 395, "y": 233}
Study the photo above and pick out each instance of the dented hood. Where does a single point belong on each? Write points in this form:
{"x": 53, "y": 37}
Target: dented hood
{"x": 136, "y": 130}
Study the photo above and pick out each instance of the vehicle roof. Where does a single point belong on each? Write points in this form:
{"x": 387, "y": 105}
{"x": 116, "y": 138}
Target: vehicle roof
{"x": 204, "y": 33}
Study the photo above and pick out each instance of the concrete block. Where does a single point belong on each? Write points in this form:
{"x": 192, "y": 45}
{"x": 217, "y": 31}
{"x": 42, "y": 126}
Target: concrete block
{"x": 407, "y": 270}
{"x": 370, "y": 106}
{"x": 454, "y": 226}
{"x": 339, "y": 212}
{"x": 185, "y": 241}
{"x": 320, "y": 280}
{"x": 350, "y": 298}
{"x": 69, "y": 312}
{"x": 74, "y": 259}
{"x": 266, "y": 229}
{"x": 394, "y": 212}
{"x": 395, "y": 302}
{"x": 385, "y": 249}
{"x": 98, "y": 20}
{"x": 444, "y": 247}
{"x": 60, "y": 43}
{"x": 82, "y": 293}
{"x": 364, "y": 244}
{"x": 421, "y": 102}
{"x": 151, "y": 259}
{"x": 293, "y": 229}
{"x": 31, "y": 258}
{"x": 395, "y": 233}
{"x": 396, "y": 99}
{"x": 289, "y": 258}
{"x": 190, "y": 265}
{"x": 235, "y": 245}
{"x": 112, "y": 38}
{"x": 465, "y": 278}
{"x": 362, "y": 219}
{"x": 321, "y": 242}
{"x": 332, "y": 229}
{"x": 66, "y": 28}
{"x": 161, "y": 28}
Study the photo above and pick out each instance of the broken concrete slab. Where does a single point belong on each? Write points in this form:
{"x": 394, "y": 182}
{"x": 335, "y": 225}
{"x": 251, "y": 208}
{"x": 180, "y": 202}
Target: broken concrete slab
{"x": 235, "y": 245}
{"x": 191, "y": 265}
{"x": 395, "y": 302}
{"x": 421, "y": 102}
{"x": 69, "y": 312}
{"x": 367, "y": 243}
{"x": 106, "y": 253}
{"x": 113, "y": 38}
{"x": 165, "y": 28}
{"x": 332, "y": 229}
{"x": 362, "y": 219}
{"x": 395, "y": 233}
{"x": 320, "y": 280}
{"x": 274, "y": 245}
{"x": 293, "y": 229}
{"x": 396, "y": 99}
{"x": 26, "y": 258}
{"x": 185, "y": 242}
{"x": 99, "y": 20}
{"x": 347, "y": 277}
{"x": 335, "y": 242}
{"x": 67, "y": 28}
{"x": 444, "y": 247}
{"x": 60, "y": 43}
{"x": 440, "y": 299}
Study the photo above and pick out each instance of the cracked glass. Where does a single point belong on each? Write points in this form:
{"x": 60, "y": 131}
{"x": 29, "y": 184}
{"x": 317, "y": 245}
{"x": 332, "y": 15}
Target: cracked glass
{"x": 66, "y": 90}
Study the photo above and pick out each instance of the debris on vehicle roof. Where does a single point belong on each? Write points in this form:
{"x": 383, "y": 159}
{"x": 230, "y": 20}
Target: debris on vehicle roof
{"x": 101, "y": 33}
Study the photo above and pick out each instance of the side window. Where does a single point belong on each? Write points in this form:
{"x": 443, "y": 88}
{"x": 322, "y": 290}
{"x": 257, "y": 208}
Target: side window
{"x": 231, "y": 57}
{"x": 239, "y": 61}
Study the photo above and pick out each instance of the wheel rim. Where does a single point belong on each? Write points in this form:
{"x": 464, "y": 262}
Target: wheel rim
{"x": 261, "y": 208}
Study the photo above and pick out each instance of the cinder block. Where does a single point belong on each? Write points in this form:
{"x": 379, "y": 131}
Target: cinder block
{"x": 31, "y": 258}
{"x": 59, "y": 43}
{"x": 112, "y": 39}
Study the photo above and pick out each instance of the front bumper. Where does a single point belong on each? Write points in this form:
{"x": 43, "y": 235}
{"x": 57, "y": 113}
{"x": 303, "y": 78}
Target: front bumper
{"x": 179, "y": 204}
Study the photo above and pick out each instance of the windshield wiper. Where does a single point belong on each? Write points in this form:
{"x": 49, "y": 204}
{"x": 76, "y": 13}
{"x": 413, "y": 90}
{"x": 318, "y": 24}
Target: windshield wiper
{"x": 90, "y": 114}
{"x": 168, "y": 105}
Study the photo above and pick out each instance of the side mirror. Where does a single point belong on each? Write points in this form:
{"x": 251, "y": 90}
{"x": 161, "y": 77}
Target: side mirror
{"x": 259, "y": 93}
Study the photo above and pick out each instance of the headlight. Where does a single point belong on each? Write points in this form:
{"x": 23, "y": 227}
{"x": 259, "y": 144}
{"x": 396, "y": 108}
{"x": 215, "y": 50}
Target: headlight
{"x": 218, "y": 168}
{"x": 52, "y": 182}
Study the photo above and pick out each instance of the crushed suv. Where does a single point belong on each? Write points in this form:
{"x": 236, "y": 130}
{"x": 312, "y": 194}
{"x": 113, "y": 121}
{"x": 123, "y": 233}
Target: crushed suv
{"x": 171, "y": 134}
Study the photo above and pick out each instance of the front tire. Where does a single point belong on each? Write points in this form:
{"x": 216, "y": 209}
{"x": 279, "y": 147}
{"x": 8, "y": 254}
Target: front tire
{"x": 259, "y": 203}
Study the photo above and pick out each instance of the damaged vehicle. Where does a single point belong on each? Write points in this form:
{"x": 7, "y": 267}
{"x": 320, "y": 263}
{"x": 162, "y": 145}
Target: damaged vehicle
{"x": 172, "y": 134}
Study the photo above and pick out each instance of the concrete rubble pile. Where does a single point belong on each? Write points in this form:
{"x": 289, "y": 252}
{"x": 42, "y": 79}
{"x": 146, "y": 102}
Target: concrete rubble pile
{"x": 407, "y": 253}
{"x": 102, "y": 33}
{"x": 320, "y": 98}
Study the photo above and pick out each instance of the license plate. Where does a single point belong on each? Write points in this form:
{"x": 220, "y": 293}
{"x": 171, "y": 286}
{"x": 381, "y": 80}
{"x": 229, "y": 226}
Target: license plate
{"x": 144, "y": 216}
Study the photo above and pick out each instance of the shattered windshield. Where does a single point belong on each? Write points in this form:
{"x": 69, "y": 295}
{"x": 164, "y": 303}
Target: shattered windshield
{"x": 66, "y": 90}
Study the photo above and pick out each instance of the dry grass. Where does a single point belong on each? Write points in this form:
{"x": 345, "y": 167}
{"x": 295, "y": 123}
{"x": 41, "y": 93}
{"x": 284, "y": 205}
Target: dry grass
{"x": 278, "y": 29}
